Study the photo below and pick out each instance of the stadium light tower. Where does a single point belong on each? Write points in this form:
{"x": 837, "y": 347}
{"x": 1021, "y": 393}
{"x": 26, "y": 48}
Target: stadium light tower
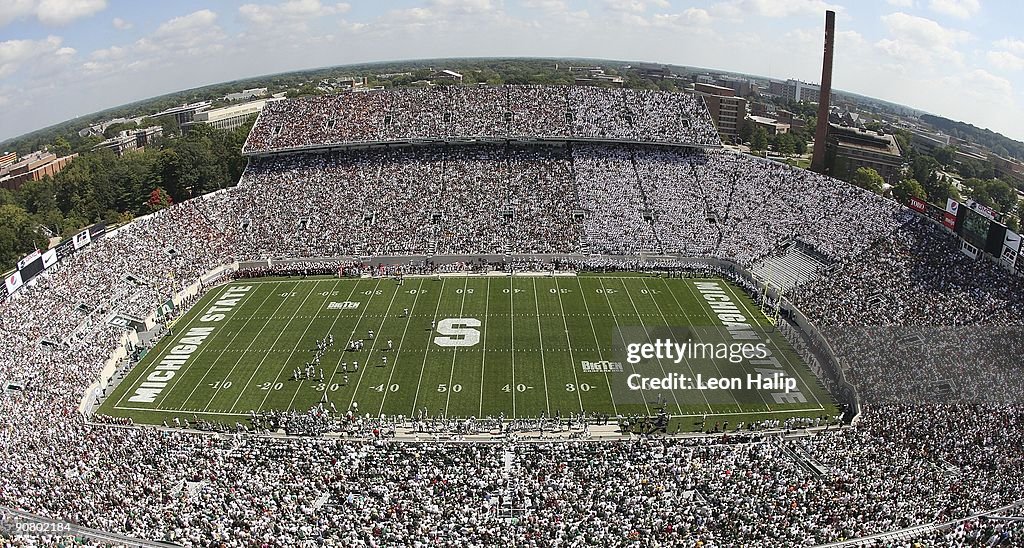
{"x": 821, "y": 131}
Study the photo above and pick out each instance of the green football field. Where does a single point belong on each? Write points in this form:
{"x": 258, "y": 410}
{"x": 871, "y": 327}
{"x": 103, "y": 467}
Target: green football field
{"x": 513, "y": 346}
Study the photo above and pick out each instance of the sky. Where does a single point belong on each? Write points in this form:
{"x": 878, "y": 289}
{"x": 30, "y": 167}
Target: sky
{"x": 963, "y": 59}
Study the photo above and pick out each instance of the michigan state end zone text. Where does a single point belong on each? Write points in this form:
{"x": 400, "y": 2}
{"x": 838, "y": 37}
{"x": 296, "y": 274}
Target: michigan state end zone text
{"x": 178, "y": 356}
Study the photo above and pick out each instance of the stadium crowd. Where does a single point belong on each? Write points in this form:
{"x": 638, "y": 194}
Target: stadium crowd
{"x": 460, "y": 113}
{"x": 912, "y": 458}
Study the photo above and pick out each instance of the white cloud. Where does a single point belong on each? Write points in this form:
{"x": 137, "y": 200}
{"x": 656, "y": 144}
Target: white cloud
{"x": 690, "y": 17}
{"x": 557, "y": 6}
{"x": 920, "y": 40}
{"x": 1004, "y": 60}
{"x": 49, "y": 12}
{"x": 736, "y": 9}
{"x": 121, "y": 24}
{"x": 291, "y": 12}
{"x": 191, "y": 34}
{"x": 1011, "y": 44}
{"x": 961, "y": 9}
{"x": 902, "y": 3}
{"x": 635, "y": 6}
{"x": 16, "y": 53}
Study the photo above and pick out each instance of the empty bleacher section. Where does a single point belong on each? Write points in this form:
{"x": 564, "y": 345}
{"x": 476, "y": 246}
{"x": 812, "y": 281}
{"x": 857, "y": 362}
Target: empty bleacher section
{"x": 788, "y": 269}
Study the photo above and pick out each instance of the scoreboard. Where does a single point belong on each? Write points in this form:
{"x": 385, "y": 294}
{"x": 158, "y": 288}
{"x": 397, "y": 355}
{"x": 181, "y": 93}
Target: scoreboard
{"x": 976, "y": 225}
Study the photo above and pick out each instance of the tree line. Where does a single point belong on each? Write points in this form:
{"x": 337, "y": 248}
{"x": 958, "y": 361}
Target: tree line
{"x": 98, "y": 186}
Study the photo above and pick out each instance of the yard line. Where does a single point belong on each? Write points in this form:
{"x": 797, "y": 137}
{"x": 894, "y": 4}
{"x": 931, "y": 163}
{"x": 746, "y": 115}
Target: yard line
{"x": 177, "y": 337}
{"x": 568, "y": 342}
{"x": 543, "y": 365}
{"x": 330, "y": 381}
{"x": 604, "y": 291}
{"x": 276, "y": 339}
{"x": 220, "y": 354}
{"x": 512, "y": 336}
{"x": 483, "y": 355}
{"x": 334, "y": 322}
{"x": 455, "y": 351}
{"x": 597, "y": 342}
{"x": 398, "y": 352}
{"x": 359, "y": 377}
{"x": 669, "y": 325}
{"x": 797, "y": 369}
{"x": 416, "y": 397}
{"x": 648, "y": 334}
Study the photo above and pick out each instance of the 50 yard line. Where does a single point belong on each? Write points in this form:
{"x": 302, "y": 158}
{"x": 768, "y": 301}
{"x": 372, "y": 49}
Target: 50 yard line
{"x": 483, "y": 355}
{"x": 455, "y": 351}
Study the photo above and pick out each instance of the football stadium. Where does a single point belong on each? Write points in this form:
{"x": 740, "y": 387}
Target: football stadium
{"x": 517, "y": 315}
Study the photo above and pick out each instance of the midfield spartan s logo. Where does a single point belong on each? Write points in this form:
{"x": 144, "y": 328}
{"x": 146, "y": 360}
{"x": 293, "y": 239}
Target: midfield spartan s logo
{"x": 456, "y": 332}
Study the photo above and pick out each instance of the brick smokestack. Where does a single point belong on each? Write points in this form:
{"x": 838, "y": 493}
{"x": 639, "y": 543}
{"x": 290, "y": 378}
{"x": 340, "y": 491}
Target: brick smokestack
{"x": 821, "y": 131}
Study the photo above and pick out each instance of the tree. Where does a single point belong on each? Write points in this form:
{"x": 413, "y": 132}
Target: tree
{"x": 993, "y": 193}
{"x": 746, "y": 130}
{"x": 783, "y": 143}
{"x": 17, "y": 234}
{"x": 158, "y": 199}
{"x": 868, "y": 179}
{"x": 759, "y": 139}
{"x": 923, "y": 166}
{"x": 61, "y": 146}
{"x": 113, "y": 129}
{"x": 945, "y": 155}
{"x": 906, "y": 188}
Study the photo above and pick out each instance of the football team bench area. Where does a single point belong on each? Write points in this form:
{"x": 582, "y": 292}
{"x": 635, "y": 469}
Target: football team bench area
{"x": 452, "y": 346}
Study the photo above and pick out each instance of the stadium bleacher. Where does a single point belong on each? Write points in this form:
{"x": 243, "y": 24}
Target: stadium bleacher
{"x": 905, "y": 463}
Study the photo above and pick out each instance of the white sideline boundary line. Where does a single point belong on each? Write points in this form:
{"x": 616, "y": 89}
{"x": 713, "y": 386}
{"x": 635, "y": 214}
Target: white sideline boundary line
{"x": 220, "y": 353}
{"x": 225, "y": 414}
{"x": 178, "y": 337}
{"x": 799, "y": 368}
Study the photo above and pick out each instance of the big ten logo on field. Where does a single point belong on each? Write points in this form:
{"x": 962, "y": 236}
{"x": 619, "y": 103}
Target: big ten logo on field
{"x": 456, "y": 332}
{"x": 344, "y": 305}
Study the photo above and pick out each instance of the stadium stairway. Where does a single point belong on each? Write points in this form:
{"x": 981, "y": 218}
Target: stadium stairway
{"x": 788, "y": 270}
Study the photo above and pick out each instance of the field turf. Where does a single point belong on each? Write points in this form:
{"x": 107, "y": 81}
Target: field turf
{"x": 533, "y": 334}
